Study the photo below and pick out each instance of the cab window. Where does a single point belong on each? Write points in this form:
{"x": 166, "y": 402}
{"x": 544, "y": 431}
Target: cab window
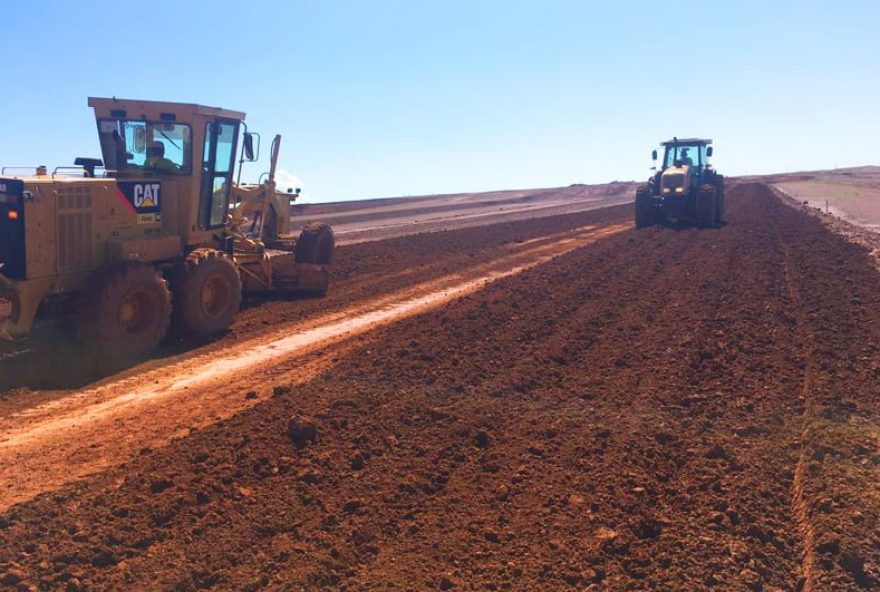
{"x": 675, "y": 155}
{"x": 159, "y": 147}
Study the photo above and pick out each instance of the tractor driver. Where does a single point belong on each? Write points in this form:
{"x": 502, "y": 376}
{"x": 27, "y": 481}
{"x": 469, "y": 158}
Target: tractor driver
{"x": 684, "y": 159}
{"x": 156, "y": 159}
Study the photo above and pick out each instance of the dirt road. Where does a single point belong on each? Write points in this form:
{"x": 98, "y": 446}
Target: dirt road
{"x": 668, "y": 409}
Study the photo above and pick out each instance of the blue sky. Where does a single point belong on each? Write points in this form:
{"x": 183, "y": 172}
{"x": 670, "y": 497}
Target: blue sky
{"x": 393, "y": 97}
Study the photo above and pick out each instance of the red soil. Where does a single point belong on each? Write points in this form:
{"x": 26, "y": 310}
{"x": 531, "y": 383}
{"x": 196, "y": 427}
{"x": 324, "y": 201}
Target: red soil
{"x": 667, "y": 409}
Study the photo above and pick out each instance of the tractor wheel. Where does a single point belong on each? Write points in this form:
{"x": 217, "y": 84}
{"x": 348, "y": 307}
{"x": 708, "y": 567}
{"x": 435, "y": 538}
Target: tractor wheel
{"x": 706, "y": 206}
{"x": 125, "y": 310}
{"x": 207, "y": 293}
{"x": 719, "y": 210}
{"x": 315, "y": 244}
{"x": 645, "y": 213}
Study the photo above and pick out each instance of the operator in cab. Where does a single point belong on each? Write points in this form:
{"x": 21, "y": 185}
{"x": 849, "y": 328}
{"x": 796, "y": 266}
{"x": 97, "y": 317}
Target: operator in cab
{"x": 156, "y": 160}
{"x": 684, "y": 159}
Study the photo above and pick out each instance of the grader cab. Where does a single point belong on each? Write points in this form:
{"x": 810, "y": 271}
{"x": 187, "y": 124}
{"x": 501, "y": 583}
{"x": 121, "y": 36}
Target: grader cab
{"x": 156, "y": 232}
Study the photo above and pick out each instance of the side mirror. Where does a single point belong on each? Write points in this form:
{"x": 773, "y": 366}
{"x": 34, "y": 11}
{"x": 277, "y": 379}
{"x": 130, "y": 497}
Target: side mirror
{"x": 250, "y": 154}
{"x": 654, "y": 155}
{"x": 709, "y": 151}
{"x": 248, "y": 147}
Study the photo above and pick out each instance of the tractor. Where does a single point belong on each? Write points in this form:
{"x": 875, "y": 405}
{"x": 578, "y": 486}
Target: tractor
{"x": 154, "y": 235}
{"x": 685, "y": 188}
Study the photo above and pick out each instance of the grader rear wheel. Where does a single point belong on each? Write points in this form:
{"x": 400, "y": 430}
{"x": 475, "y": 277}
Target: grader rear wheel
{"x": 207, "y": 293}
{"x": 125, "y": 311}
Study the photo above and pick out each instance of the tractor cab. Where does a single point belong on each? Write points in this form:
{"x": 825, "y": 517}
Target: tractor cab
{"x": 684, "y": 162}
{"x": 693, "y": 153}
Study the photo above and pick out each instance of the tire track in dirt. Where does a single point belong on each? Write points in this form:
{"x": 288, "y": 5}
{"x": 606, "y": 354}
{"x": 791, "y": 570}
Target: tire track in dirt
{"x": 799, "y": 499}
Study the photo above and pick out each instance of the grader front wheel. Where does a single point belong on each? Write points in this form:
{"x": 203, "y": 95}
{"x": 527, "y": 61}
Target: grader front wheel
{"x": 207, "y": 293}
{"x": 316, "y": 244}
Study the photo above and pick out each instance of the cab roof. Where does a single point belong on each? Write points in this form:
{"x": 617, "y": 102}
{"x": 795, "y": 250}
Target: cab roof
{"x": 686, "y": 141}
{"x": 158, "y": 110}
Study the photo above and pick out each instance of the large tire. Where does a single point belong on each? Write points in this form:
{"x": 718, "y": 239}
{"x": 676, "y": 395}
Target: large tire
{"x": 316, "y": 244}
{"x": 719, "y": 210}
{"x": 707, "y": 206}
{"x": 124, "y": 311}
{"x": 645, "y": 212}
{"x": 207, "y": 293}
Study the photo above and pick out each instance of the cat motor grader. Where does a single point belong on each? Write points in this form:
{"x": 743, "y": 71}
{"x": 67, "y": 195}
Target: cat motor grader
{"x": 685, "y": 188}
{"x": 153, "y": 235}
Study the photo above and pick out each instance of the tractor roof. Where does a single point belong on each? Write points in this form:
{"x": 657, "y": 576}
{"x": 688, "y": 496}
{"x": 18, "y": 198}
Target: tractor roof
{"x": 686, "y": 142}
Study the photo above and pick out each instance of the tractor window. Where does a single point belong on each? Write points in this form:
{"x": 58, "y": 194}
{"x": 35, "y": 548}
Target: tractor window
{"x": 677, "y": 154}
{"x": 704, "y": 158}
{"x": 163, "y": 148}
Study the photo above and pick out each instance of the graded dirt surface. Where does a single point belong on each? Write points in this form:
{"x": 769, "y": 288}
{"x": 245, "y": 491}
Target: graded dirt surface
{"x": 667, "y": 409}
{"x": 365, "y": 220}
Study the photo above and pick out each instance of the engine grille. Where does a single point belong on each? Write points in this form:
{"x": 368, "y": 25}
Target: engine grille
{"x": 75, "y": 238}
{"x": 671, "y": 181}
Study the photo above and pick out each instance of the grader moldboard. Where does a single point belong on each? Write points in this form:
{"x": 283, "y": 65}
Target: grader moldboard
{"x": 163, "y": 236}
{"x": 685, "y": 188}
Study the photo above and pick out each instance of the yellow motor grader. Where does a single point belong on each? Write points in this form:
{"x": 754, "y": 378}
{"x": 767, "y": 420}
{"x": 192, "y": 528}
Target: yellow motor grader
{"x": 155, "y": 233}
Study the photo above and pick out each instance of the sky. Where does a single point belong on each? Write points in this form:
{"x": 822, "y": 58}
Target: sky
{"x": 391, "y": 97}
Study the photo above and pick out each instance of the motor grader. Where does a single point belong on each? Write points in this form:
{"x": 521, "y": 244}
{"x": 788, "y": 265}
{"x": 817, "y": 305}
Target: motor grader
{"x": 154, "y": 234}
{"x": 685, "y": 188}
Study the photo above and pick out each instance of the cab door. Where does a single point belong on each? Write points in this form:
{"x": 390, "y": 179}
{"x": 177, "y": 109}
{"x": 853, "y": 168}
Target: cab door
{"x": 218, "y": 160}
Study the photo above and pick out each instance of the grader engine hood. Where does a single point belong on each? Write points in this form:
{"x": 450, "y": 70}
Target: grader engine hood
{"x": 675, "y": 180}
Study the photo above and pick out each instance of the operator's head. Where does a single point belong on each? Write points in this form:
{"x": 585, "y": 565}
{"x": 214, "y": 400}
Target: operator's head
{"x": 156, "y": 149}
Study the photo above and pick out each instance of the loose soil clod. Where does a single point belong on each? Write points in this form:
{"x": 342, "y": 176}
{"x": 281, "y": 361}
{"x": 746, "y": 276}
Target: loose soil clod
{"x": 302, "y": 431}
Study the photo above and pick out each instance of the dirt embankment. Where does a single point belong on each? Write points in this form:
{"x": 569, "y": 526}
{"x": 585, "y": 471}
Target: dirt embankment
{"x": 664, "y": 409}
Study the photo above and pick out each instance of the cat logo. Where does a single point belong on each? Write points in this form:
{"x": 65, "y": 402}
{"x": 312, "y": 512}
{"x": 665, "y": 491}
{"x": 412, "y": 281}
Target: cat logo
{"x": 146, "y": 195}
{"x": 144, "y": 198}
